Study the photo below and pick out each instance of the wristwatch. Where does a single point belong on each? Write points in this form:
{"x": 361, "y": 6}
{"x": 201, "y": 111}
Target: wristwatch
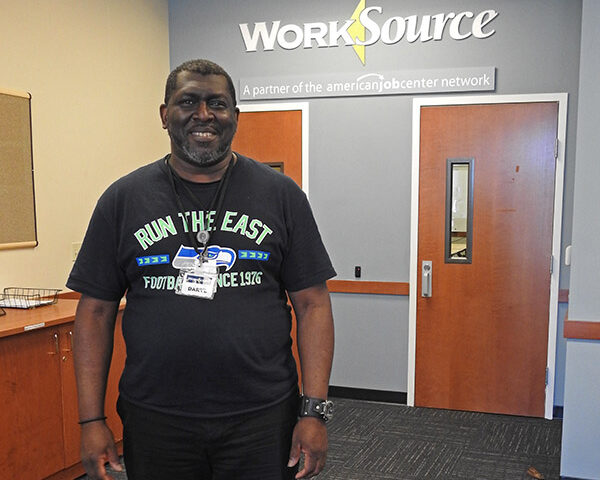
{"x": 316, "y": 407}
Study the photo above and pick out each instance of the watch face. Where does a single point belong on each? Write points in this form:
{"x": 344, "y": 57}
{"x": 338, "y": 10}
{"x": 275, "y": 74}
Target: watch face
{"x": 327, "y": 410}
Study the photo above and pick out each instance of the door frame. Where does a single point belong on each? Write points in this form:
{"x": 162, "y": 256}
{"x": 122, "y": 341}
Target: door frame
{"x": 418, "y": 102}
{"x": 278, "y": 107}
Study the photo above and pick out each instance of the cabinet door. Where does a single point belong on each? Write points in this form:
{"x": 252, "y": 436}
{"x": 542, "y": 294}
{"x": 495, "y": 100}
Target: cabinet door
{"x": 69, "y": 396}
{"x": 69, "y": 390}
{"x": 31, "y": 435}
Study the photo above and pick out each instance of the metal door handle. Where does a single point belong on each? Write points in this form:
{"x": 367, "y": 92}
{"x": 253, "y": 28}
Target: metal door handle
{"x": 426, "y": 272}
{"x": 70, "y": 337}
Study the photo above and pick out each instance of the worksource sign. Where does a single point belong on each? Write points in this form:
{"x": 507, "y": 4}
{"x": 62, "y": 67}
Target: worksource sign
{"x": 405, "y": 82}
{"x": 367, "y": 26}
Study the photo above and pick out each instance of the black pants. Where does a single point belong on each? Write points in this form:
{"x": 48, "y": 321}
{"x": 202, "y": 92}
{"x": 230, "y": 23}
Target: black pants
{"x": 252, "y": 446}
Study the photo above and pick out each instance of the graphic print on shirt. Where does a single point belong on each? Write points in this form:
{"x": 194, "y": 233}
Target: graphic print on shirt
{"x": 165, "y": 227}
{"x": 186, "y": 257}
{"x": 161, "y": 228}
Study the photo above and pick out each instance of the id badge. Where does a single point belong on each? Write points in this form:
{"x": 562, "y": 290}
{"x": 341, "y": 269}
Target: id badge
{"x": 199, "y": 281}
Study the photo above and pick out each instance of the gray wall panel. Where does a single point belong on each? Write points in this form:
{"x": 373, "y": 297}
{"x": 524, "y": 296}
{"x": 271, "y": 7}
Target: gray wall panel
{"x": 370, "y": 347}
{"x": 360, "y": 186}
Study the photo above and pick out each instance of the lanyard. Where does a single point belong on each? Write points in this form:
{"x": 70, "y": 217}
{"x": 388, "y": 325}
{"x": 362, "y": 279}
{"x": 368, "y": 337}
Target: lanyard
{"x": 203, "y": 236}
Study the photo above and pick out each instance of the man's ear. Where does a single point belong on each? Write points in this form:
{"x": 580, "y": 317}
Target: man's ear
{"x": 163, "y": 115}
{"x": 237, "y": 117}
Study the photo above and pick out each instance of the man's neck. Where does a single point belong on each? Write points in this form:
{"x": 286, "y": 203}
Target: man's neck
{"x": 195, "y": 174}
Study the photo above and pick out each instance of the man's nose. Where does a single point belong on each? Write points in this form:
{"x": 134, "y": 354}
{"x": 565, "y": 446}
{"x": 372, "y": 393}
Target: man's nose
{"x": 203, "y": 112}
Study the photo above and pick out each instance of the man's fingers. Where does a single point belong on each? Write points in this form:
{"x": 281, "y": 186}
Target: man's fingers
{"x": 99, "y": 472}
{"x": 304, "y": 473}
{"x": 116, "y": 466}
{"x": 113, "y": 460}
{"x": 294, "y": 454}
{"x": 311, "y": 467}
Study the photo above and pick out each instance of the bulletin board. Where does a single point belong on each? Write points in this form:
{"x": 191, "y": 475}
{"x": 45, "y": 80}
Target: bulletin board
{"x": 17, "y": 201}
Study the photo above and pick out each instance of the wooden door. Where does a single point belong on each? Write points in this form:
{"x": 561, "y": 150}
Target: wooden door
{"x": 31, "y": 437}
{"x": 482, "y": 336}
{"x": 275, "y": 138}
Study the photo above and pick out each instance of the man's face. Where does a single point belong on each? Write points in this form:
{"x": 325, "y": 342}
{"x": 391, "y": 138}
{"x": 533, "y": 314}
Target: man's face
{"x": 201, "y": 119}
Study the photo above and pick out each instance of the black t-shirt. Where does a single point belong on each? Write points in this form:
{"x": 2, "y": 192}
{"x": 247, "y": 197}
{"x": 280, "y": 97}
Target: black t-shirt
{"x": 192, "y": 356}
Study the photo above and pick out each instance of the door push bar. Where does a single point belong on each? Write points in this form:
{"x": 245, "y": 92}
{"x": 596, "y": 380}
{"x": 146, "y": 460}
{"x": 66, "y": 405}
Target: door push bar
{"x": 426, "y": 270}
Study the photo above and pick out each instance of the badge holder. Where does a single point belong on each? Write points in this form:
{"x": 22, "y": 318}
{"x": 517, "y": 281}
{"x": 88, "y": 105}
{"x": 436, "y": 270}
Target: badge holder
{"x": 199, "y": 280}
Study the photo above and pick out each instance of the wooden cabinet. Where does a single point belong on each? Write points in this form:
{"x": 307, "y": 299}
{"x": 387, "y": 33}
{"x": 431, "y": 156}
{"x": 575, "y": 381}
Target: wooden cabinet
{"x": 31, "y": 406}
{"x": 39, "y": 434}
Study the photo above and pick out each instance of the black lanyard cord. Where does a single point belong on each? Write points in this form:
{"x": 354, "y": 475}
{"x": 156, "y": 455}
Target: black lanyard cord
{"x": 217, "y": 199}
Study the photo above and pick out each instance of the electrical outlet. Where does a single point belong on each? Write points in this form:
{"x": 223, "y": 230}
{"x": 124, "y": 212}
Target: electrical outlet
{"x": 75, "y": 247}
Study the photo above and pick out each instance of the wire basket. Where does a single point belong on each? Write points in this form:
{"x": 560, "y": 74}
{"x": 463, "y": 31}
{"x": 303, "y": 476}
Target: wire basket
{"x": 18, "y": 297}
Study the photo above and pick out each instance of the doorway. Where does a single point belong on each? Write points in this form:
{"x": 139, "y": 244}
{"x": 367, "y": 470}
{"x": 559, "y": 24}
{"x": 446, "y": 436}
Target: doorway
{"x": 485, "y": 250}
{"x": 262, "y": 129}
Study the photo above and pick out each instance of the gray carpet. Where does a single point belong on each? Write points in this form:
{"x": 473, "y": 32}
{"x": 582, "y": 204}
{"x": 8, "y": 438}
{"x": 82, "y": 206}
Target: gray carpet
{"x": 375, "y": 441}
{"x": 395, "y": 442}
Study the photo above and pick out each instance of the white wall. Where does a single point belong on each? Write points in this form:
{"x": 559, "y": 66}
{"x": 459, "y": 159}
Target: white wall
{"x": 581, "y": 422}
{"x": 96, "y": 72}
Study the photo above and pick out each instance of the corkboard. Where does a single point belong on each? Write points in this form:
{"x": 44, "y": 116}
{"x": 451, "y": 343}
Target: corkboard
{"x": 17, "y": 205}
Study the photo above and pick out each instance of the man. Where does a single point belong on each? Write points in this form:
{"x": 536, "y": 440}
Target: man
{"x": 206, "y": 243}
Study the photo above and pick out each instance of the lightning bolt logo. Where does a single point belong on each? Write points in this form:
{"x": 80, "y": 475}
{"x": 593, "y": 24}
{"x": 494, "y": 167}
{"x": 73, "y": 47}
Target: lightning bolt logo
{"x": 357, "y": 30}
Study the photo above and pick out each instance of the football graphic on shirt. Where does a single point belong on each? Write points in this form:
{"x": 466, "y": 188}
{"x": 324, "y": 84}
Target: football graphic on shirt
{"x": 186, "y": 256}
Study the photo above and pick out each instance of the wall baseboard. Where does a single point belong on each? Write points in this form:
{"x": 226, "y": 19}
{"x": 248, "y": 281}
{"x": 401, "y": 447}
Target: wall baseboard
{"x": 367, "y": 394}
{"x": 388, "y": 396}
{"x": 557, "y": 412}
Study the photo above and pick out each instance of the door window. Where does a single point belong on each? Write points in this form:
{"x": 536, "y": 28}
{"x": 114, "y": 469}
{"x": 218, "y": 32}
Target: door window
{"x": 459, "y": 210}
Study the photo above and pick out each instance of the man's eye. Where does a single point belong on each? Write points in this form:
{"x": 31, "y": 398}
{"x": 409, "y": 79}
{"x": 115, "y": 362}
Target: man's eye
{"x": 217, "y": 104}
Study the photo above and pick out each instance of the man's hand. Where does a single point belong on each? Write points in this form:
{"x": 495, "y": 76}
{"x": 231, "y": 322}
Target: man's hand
{"x": 309, "y": 438}
{"x": 98, "y": 448}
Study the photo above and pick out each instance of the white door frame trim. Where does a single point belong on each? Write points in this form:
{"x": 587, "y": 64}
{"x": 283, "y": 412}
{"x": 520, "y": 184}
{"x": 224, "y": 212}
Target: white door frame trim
{"x": 278, "y": 107}
{"x": 562, "y": 99}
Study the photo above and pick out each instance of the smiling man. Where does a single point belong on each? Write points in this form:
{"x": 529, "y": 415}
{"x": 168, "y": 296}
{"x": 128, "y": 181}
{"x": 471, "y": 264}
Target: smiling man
{"x": 201, "y": 119}
{"x": 209, "y": 389}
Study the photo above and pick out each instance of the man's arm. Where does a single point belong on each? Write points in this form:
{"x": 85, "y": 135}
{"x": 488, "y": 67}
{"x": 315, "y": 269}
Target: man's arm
{"x": 315, "y": 345}
{"x": 92, "y": 350}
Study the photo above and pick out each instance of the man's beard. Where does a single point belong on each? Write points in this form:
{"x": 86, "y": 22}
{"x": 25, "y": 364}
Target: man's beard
{"x": 200, "y": 158}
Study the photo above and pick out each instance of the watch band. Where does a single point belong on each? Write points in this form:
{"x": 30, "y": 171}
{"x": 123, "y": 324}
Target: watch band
{"x": 315, "y": 407}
